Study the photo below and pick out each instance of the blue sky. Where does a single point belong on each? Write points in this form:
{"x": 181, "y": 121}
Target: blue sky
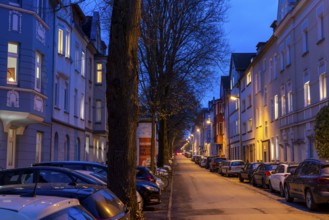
{"x": 248, "y": 22}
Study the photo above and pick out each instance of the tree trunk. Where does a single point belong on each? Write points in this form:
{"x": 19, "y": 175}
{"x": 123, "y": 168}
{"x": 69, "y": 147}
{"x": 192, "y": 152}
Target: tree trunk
{"x": 122, "y": 100}
{"x": 153, "y": 137}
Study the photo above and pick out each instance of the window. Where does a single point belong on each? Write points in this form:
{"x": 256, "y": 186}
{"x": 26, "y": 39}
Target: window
{"x": 282, "y": 61}
{"x": 38, "y": 149}
{"x": 275, "y": 64}
{"x": 56, "y": 94}
{"x": 265, "y": 96}
{"x": 82, "y": 107}
{"x": 38, "y": 63}
{"x": 307, "y": 94}
{"x": 236, "y": 127}
{"x": 66, "y": 98}
{"x": 243, "y": 105}
{"x": 276, "y": 107}
{"x": 83, "y": 63}
{"x": 67, "y": 44}
{"x": 98, "y": 111}
{"x": 288, "y": 55}
{"x": 320, "y": 22}
{"x": 265, "y": 130}
{"x": 290, "y": 104}
{"x": 12, "y": 63}
{"x": 248, "y": 78}
{"x": 75, "y": 102}
{"x": 323, "y": 86}
{"x": 271, "y": 69}
{"x": 221, "y": 128}
{"x": 39, "y": 8}
{"x": 283, "y": 104}
{"x": 305, "y": 41}
{"x": 244, "y": 126}
{"x": 77, "y": 58}
{"x": 250, "y": 124}
{"x": 60, "y": 41}
{"x": 99, "y": 73}
{"x": 89, "y": 109}
{"x": 249, "y": 101}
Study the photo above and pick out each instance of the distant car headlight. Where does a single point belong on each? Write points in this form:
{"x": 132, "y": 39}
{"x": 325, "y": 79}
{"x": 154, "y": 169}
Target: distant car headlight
{"x": 151, "y": 188}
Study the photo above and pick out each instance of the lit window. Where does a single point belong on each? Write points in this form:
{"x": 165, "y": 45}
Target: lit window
{"x": 38, "y": 63}
{"x": 290, "y": 103}
{"x": 60, "y": 41}
{"x": 99, "y": 73}
{"x": 248, "y": 78}
{"x": 323, "y": 86}
{"x": 283, "y": 104}
{"x": 12, "y": 63}
{"x": 307, "y": 94}
{"x": 83, "y": 63}
{"x": 67, "y": 44}
{"x": 98, "y": 111}
{"x": 38, "y": 148}
{"x": 82, "y": 107}
{"x": 276, "y": 107}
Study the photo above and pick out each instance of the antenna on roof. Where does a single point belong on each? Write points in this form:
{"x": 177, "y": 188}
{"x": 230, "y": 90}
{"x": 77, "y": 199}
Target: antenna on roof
{"x": 33, "y": 193}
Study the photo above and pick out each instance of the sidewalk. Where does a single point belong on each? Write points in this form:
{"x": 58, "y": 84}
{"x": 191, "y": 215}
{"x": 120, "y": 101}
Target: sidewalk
{"x": 160, "y": 212}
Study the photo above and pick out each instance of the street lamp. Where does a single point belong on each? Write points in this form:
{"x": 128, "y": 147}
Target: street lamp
{"x": 237, "y": 99}
{"x": 199, "y": 139}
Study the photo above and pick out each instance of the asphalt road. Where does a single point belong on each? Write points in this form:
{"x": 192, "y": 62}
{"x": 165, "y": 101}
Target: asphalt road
{"x": 199, "y": 194}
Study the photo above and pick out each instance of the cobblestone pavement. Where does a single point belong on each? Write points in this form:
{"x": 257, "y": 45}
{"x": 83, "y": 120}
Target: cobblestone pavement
{"x": 159, "y": 212}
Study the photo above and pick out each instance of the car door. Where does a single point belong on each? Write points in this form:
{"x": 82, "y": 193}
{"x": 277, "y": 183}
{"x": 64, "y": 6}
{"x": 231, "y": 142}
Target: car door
{"x": 257, "y": 174}
{"x": 275, "y": 178}
{"x": 295, "y": 180}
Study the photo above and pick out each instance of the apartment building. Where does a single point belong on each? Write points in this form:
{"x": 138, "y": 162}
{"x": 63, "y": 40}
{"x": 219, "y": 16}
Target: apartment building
{"x": 288, "y": 86}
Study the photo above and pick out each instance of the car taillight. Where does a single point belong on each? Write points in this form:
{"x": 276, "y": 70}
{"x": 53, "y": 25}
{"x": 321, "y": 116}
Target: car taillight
{"x": 285, "y": 175}
{"x": 322, "y": 180}
{"x": 150, "y": 178}
{"x": 268, "y": 173}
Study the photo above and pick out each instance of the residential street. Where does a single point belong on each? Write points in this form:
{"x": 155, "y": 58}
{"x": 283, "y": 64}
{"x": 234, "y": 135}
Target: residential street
{"x": 199, "y": 194}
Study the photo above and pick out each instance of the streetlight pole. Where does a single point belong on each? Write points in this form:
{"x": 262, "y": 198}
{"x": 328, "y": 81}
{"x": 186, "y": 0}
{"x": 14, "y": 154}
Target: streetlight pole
{"x": 199, "y": 138}
{"x": 209, "y": 122}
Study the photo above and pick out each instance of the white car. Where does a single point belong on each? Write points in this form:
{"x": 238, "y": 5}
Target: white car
{"x": 41, "y": 207}
{"x": 276, "y": 180}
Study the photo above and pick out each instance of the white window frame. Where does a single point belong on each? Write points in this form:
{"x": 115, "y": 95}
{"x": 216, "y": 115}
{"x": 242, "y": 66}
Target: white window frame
{"x": 276, "y": 107}
{"x": 82, "y": 107}
{"x": 60, "y": 35}
{"x": 290, "y": 101}
{"x": 67, "y": 44}
{"x": 307, "y": 94}
{"x": 83, "y": 63}
{"x": 38, "y": 71}
{"x": 12, "y": 63}
{"x": 323, "y": 86}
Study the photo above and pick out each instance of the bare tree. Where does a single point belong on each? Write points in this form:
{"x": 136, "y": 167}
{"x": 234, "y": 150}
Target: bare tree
{"x": 122, "y": 100}
{"x": 181, "y": 41}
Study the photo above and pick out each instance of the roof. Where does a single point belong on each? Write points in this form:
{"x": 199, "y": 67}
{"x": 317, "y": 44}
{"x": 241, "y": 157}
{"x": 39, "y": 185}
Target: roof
{"x": 242, "y": 60}
{"x": 36, "y": 207}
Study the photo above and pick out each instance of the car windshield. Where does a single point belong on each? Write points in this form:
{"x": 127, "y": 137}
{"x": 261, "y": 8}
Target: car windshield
{"x": 291, "y": 169}
{"x": 271, "y": 167}
{"x": 255, "y": 165}
{"x": 325, "y": 169}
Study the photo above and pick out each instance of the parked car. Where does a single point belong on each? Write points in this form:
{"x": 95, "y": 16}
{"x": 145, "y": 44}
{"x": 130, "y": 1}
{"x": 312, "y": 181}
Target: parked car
{"x": 247, "y": 171}
{"x": 309, "y": 182}
{"x": 232, "y": 167}
{"x": 98, "y": 200}
{"x": 262, "y": 173}
{"x": 149, "y": 191}
{"x": 220, "y": 164}
{"x": 77, "y": 165}
{"x": 277, "y": 179}
{"x": 41, "y": 207}
{"x": 43, "y": 174}
{"x": 213, "y": 165}
{"x": 203, "y": 162}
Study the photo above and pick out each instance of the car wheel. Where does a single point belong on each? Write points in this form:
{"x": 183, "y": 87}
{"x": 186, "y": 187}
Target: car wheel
{"x": 271, "y": 188}
{"x": 287, "y": 194}
{"x": 264, "y": 184}
{"x": 281, "y": 191}
{"x": 253, "y": 181}
{"x": 241, "y": 179}
{"x": 310, "y": 201}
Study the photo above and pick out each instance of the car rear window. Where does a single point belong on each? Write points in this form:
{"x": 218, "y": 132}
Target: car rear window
{"x": 103, "y": 204}
{"x": 325, "y": 169}
{"x": 237, "y": 163}
{"x": 271, "y": 167}
{"x": 291, "y": 169}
